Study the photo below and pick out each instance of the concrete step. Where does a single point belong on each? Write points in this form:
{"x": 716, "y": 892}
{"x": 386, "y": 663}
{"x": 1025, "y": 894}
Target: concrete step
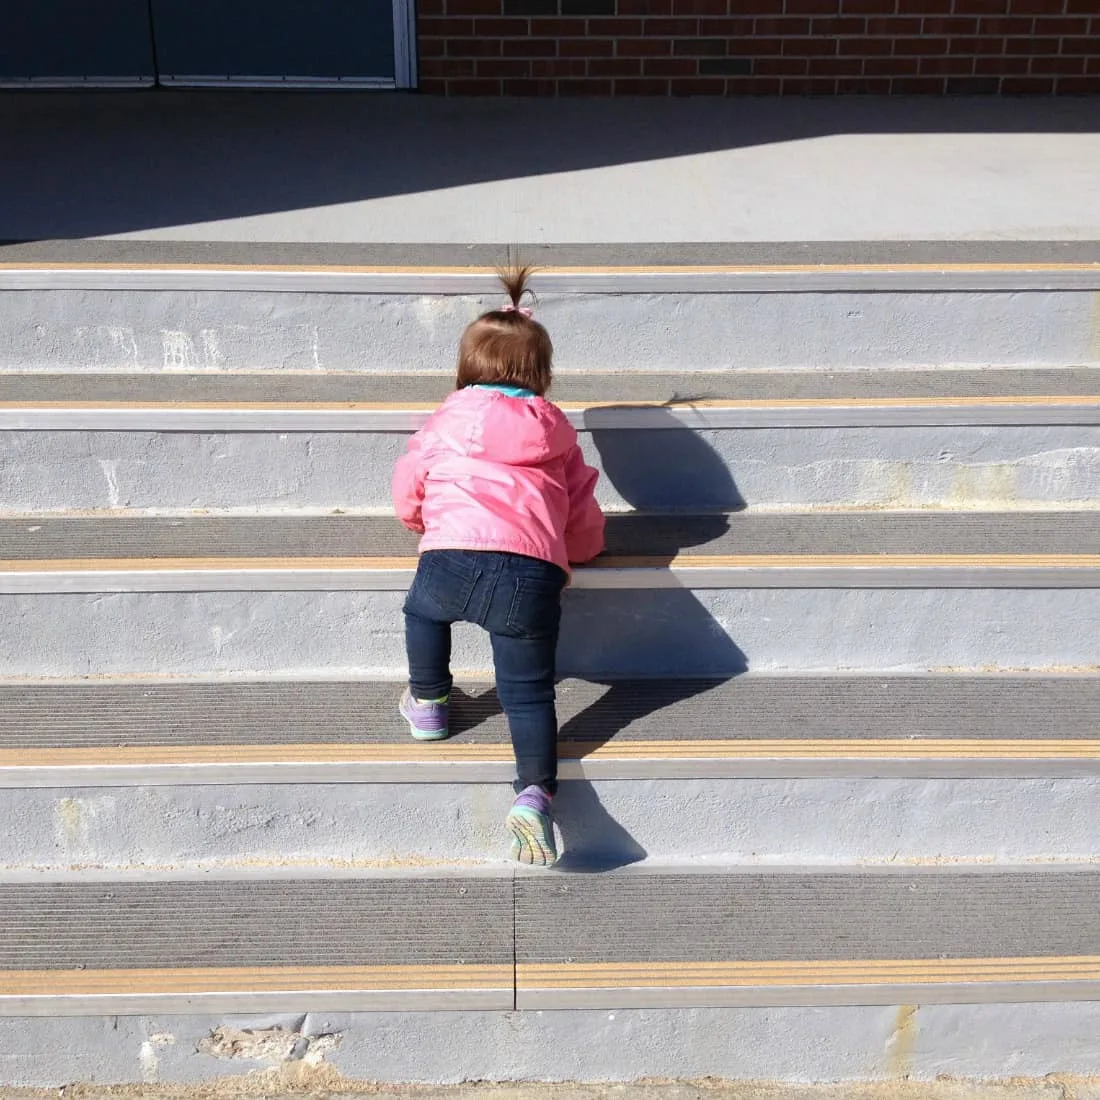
{"x": 655, "y": 938}
{"x": 879, "y": 548}
{"x": 710, "y": 595}
{"x": 635, "y": 313}
{"x": 104, "y": 734}
{"x": 760, "y": 770}
{"x": 905, "y": 438}
{"x": 601, "y": 824}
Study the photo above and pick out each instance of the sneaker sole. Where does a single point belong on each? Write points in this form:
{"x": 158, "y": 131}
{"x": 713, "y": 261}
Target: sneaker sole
{"x": 530, "y": 842}
{"x": 427, "y": 735}
{"x": 423, "y": 735}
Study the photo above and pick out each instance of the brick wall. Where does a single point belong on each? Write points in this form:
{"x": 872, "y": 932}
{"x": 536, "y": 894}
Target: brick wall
{"x": 759, "y": 47}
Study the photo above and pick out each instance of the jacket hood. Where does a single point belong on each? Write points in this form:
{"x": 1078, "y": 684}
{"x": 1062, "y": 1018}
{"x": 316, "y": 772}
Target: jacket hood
{"x": 514, "y": 430}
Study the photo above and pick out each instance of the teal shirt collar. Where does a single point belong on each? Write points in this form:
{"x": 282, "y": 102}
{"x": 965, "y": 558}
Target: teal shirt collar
{"x": 508, "y": 391}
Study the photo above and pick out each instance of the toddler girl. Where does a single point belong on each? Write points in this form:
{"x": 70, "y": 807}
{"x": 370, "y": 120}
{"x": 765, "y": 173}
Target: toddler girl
{"x": 496, "y": 484}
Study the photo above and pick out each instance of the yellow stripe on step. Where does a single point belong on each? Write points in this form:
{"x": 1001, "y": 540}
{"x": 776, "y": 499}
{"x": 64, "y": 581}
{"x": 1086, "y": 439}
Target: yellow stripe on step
{"x": 62, "y": 983}
{"x": 635, "y": 975}
{"x": 457, "y": 752}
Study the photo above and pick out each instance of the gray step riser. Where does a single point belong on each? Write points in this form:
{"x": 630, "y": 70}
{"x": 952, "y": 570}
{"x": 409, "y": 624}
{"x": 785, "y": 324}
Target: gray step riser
{"x": 744, "y": 822}
{"x": 670, "y": 632}
{"x": 250, "y": 330}
{"x": 897, "y": 467}
{"x": 940, "y": 1043}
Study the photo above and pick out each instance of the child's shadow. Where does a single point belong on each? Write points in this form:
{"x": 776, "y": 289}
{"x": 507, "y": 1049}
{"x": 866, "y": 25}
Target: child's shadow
{"x": 672, "y": 646}
{"x": 664, "y": 639}
{"x": 592, "y": 838}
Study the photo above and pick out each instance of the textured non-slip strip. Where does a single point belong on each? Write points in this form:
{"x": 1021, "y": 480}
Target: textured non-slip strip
{"x": 381, "y": 542}
{"x": 610, "y": 279}
{"x": 575, "y": 389}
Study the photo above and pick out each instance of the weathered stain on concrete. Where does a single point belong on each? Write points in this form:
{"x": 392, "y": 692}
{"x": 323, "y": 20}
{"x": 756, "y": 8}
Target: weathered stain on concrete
{"x": 72, "y": 829}
{"x": 78, "y": 823}
{"x": 902, "y": 1041}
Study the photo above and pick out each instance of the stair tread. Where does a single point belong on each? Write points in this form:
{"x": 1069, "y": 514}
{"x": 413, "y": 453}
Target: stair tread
{"x": 367, "y": 921}
{"x": 595, "y": 388}
{"x": 653, "y": 255}
{"x": 665, "y": 916}
{"x": 636, "y": 918}
{"x": 636, "y": 713}
{"x": 880, "y": 534}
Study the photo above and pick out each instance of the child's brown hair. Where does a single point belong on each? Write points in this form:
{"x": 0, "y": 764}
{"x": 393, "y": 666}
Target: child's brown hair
{"x": 506, "y": 346}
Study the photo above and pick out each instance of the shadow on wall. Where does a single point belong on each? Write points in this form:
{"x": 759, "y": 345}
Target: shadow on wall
{"x": 665, "y": 633}
{"x": 148, "y": 160}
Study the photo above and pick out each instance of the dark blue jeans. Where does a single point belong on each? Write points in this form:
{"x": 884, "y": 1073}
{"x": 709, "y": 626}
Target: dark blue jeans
{"x": 518, "y": 601}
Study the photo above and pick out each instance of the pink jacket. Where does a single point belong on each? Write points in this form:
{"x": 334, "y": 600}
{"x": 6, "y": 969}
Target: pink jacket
{"x": 492, "y": 472}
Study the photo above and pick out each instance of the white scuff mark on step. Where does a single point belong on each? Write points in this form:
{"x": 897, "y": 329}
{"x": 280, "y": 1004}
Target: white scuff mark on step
{"x": 212, "y": 353}
{"x": 302, "y": 343}
{"x": 427, "y": 312}
{"x": 274, "y": 1045}
{"x": 150, "y": 1064}
{"x": 109, "y": 467}
{"x": 220, "y": 637}
{"x": 179, "y": 350}
{"x": 111, "y": 346}
{"x": 147, "y": 1056}
{"x": 315, "y": 346}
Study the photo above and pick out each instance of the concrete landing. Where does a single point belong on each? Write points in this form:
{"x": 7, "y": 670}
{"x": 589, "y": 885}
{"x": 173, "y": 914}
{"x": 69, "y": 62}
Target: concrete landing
{"x": 348, "y": 168}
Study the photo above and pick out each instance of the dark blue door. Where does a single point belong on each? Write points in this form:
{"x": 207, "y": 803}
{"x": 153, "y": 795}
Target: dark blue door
{"x": 75, "y": 41}
{"x": 275, "y": 41}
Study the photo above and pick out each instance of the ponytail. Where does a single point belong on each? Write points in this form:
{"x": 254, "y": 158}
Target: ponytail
{"x": 515, "y": 282}
{"x": 506, "y": 345}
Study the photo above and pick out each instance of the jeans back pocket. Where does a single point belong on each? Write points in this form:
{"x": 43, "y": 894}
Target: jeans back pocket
{"x": 444, "y": 585}
{"x": 536, "y": 607}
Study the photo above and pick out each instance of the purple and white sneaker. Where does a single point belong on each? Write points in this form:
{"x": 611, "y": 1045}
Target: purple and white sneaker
{"x": 532, "y": 828}
{"x": 427, "y": 718}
